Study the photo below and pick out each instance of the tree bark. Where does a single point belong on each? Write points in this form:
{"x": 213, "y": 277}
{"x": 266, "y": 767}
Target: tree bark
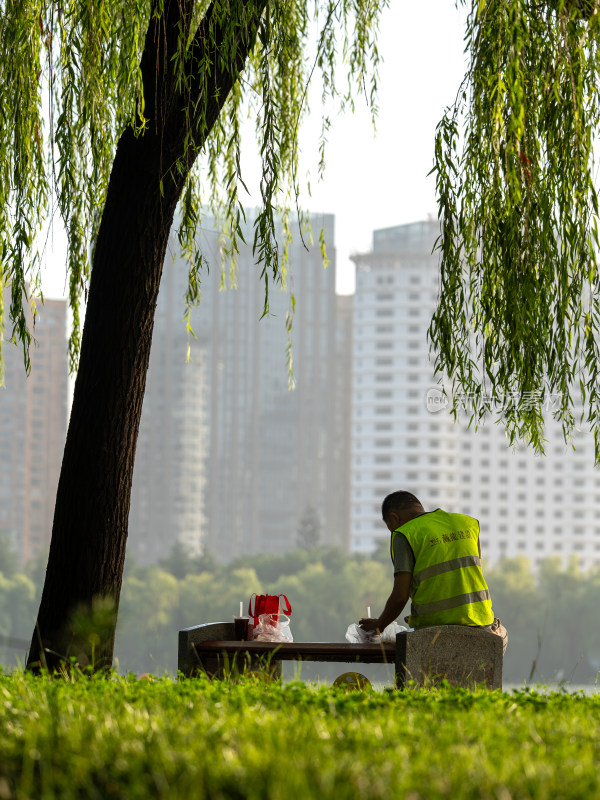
{"x": 78, "y": 609}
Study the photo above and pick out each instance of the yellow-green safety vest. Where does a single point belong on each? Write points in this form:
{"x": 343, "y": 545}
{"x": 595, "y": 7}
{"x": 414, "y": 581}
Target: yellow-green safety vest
{"x": 448, "y": 587}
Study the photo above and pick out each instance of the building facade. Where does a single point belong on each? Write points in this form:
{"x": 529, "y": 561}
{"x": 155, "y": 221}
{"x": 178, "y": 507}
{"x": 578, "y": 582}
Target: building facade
{"x": 263, "y": 455}
{"x": 33, "y": 419}
{"x": 168, "y": 496}
{"x": 395, "y": 441}
{"x": 536, "y": 506}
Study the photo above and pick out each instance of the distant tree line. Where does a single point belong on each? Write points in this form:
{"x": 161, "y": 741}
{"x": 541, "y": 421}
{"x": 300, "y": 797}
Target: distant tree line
{"x": 551, "y": 617}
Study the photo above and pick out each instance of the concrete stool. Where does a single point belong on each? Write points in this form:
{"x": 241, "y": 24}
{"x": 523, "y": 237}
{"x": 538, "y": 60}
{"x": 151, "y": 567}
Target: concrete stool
{"x": 462, "y": 655}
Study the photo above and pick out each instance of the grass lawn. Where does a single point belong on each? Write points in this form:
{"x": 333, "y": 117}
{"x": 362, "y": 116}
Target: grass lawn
{"x": 120, "y": 738}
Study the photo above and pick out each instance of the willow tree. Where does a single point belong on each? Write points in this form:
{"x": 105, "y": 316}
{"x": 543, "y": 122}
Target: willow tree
{"x": 111, "y": 113}
{"x": 517, "y": 328}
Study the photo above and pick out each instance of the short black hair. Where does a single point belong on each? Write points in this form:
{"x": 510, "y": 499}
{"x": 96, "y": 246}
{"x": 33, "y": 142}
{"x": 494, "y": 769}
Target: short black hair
{"x": 399, "y": 501}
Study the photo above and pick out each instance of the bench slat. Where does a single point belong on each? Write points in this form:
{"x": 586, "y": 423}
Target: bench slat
{"x": 309, "y": 651}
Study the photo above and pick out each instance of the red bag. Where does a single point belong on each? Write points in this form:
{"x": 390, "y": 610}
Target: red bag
{"x": 268, "y": 604}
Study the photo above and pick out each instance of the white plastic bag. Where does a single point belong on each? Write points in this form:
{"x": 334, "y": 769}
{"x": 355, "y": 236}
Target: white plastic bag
{"x": 356, "y": 635}
{"x": 389, "y": 634}
{"x": 265, "y": 631}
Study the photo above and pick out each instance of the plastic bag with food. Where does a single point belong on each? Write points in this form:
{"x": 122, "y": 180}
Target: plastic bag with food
{"x": 356, "y": 635}
{"x": 271, "y": 630}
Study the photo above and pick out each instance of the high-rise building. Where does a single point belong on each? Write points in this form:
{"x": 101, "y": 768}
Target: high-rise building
{"x": 168, "y": 500}
{"x": 264, "y": 455}
{"x": 403, "y": 439}
{"x": 33, "y": 419}
{"x": 395, "y": 441}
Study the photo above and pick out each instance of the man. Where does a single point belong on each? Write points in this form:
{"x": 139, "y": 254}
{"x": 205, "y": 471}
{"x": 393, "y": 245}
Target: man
{"x": 437, "y": 563}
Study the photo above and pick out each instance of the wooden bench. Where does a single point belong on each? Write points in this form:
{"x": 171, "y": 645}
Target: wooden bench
{"x": 463, "y": 656}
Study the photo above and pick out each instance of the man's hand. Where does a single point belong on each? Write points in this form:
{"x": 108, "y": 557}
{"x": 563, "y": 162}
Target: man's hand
{"x": 369, "y": 624}
{"x": 395, "y": 603}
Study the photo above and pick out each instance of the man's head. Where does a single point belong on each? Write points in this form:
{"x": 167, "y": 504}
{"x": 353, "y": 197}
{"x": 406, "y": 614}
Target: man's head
{"x": 400, "y": 507}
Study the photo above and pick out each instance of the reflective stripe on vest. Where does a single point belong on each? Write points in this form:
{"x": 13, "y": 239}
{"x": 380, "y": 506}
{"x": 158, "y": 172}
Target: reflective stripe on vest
{"x": 445, "y": 566}
{"x": 448, "y": 587}
{"x": 451, "y": 602}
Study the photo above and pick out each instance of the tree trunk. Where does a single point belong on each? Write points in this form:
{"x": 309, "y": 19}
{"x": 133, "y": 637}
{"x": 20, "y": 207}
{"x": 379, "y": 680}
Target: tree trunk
{"x": 78, "y": 610}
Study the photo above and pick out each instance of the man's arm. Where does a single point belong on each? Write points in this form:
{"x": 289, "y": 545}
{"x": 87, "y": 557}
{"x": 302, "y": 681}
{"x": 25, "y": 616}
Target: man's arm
{"x": 395, "y": 603}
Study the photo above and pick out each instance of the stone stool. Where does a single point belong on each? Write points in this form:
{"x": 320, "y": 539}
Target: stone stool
{"x": 462, "y": 655}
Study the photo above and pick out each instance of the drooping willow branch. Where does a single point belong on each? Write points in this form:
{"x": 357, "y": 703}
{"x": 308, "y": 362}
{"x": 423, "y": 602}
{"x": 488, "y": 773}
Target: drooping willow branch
{"x": 84, "y": 57}
{"x": 518, "y": 320}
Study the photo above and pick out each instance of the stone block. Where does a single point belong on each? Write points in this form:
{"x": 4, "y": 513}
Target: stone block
{"x": 462, "y": 655}
{"x": 188, "y": 662}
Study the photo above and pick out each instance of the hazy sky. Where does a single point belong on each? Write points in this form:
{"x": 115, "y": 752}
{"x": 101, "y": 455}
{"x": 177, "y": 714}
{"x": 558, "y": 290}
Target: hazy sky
{"x": 374, "y": 181}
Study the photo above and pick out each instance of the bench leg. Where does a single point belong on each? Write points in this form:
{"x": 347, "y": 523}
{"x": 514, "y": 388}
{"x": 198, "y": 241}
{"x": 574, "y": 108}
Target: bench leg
{"x": 400, "y": 676}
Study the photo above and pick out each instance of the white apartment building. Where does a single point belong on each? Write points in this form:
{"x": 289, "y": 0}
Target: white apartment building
{"x": 526, "y": 505}
{"x": 396, "y": 443}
